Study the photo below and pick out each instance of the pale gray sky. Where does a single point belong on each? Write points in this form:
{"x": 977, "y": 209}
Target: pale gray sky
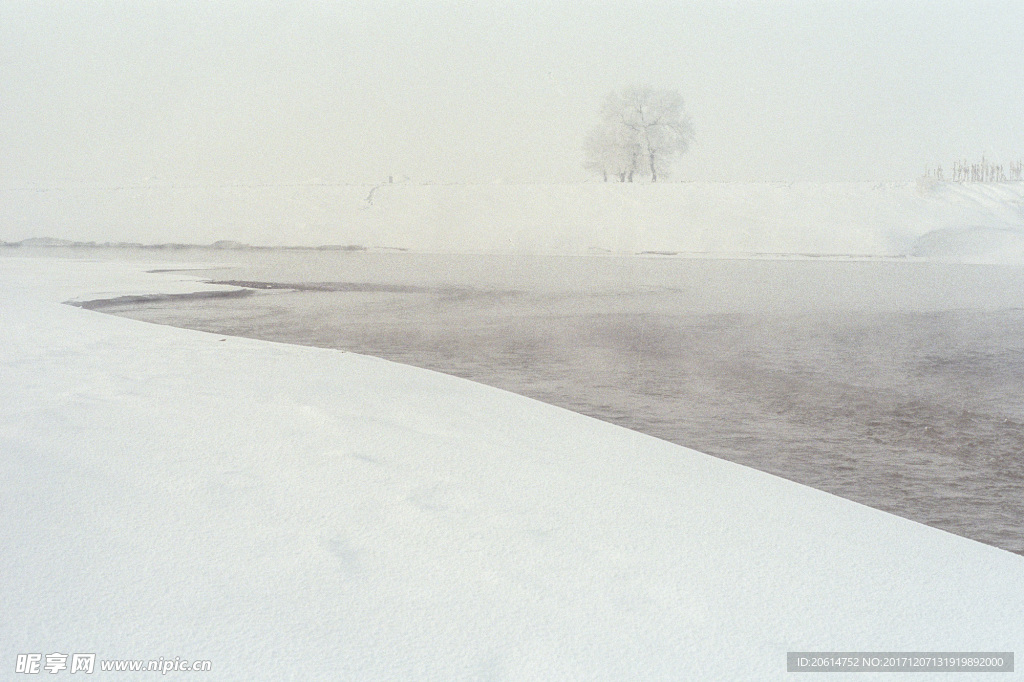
{"x": 221, "y": 92}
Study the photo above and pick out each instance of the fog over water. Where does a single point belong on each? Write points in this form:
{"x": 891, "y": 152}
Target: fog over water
{"x": 895, "y": 383}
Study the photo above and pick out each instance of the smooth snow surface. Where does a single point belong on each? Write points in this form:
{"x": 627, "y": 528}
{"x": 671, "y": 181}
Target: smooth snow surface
{"x": 300, "y": 513}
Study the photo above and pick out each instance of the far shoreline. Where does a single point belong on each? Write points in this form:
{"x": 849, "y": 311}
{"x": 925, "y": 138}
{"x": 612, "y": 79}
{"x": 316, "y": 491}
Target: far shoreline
{"x": 49, "y": 246}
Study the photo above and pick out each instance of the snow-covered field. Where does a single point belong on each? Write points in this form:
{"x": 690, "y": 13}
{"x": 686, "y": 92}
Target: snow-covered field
{"x": 299, "y": 513}
{"x": 976, "y": 221}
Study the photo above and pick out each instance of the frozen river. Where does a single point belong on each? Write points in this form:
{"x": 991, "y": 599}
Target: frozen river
{"x": 898, "y": 384}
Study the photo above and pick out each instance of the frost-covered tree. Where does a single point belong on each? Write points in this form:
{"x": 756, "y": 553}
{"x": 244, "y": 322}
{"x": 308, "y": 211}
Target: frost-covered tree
{"x": 642, "y": 131}
{"x": 613, "y": 151}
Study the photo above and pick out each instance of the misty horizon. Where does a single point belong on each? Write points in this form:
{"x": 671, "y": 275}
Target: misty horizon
{"x": 109, "y": 94}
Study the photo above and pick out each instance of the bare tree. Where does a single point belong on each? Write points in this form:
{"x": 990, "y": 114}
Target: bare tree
{"x": 642, "y": 131}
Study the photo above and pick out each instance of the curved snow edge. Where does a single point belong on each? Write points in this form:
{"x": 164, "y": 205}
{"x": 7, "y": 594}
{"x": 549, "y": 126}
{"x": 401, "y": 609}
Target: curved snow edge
{"x": 291, "y": 511}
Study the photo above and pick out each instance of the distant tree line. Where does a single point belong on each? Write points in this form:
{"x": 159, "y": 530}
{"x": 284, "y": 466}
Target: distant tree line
{"x": 983, "y": 171}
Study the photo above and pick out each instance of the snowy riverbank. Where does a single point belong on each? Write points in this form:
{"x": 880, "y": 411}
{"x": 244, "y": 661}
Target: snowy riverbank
{"x": 299, "y": 513}
{"x": 945, "y": 220}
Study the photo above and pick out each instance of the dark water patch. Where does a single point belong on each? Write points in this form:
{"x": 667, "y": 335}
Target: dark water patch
{"x": 148, "y": 299}
{"x": 362, "y": 287}
{"x": 325, "y": 286}
{"x": 160, "y": 270}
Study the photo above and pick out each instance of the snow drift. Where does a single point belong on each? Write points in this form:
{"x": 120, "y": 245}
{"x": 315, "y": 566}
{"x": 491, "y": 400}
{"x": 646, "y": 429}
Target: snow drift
{"x": 300, "y": 513}
{"x": 972, "y": 244}
{"x": 874, "y": 219}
